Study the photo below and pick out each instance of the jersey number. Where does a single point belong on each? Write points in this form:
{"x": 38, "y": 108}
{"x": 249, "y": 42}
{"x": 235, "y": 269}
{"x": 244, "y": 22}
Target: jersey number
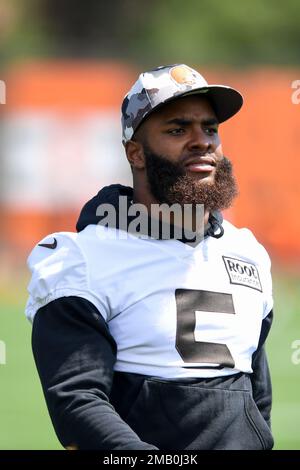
{"x": 188, "y": 302}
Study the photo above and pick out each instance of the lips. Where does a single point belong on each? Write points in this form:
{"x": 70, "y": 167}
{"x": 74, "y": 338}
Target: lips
{"x": 205, "y": 164}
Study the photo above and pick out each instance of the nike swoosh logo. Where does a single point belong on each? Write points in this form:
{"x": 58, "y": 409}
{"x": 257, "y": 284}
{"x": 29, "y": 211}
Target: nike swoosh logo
{"x": 52, "y": 246}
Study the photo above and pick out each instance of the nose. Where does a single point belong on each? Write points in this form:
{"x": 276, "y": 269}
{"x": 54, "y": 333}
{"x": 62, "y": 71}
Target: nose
{"x": 200, "y": 140}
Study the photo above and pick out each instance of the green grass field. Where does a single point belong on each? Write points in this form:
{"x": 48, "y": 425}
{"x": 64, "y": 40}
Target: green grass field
{"x": 25, "y": 423}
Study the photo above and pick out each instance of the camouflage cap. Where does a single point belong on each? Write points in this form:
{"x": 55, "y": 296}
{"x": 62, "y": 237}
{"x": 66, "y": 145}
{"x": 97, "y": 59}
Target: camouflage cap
{"x": 166, "y": 83}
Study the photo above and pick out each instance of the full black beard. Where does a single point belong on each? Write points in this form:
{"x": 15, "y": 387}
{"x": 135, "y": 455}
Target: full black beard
{"x": 170, "y": 183}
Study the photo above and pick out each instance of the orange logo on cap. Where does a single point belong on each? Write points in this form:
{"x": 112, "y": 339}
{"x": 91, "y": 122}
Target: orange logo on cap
{"x": 183, "y": 75}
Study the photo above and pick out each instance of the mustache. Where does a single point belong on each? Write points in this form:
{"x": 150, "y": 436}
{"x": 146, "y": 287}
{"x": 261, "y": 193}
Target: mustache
{"x": 169, "y": 168}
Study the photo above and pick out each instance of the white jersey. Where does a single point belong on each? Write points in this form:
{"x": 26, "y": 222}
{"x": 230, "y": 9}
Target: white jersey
{"x": 174, "y": 310}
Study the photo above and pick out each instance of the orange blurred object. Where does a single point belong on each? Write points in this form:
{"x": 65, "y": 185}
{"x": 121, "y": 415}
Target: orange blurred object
{"x": 262, "y": 140}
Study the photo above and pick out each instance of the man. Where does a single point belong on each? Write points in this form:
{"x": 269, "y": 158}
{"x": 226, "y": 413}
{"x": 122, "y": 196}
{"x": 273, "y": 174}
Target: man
{"x": 144, "y": 341}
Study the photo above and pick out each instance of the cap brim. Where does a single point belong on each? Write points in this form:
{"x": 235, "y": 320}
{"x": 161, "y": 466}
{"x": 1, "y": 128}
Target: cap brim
{"x": 226, "y": 101}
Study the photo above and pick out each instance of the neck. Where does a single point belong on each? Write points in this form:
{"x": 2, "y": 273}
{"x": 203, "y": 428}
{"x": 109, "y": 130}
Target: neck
{"x": 192, "y": 221}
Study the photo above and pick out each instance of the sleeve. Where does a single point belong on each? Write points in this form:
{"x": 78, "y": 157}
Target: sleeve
{"x": 75, "y": 355}
{"x": 59, "y": 269}
{"x": 263, "y": 263}
{"x": 267, "y": 284}
{"x": 260, "y": 378}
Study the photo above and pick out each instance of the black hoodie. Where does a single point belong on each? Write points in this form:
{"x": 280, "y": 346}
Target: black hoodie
{"x": 93, "y": 407}
{"x": 110, "y": 195}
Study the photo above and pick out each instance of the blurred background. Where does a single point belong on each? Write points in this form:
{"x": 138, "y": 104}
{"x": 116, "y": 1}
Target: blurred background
{"x": 66, "y": 65}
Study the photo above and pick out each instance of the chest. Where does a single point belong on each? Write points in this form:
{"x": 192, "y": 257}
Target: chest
{"x": 208, "y": 296}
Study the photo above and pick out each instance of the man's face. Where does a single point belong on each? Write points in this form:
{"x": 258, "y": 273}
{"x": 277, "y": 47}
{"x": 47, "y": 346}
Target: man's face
{"x": 183, "y": 155}
{"x": 185, "y": 131}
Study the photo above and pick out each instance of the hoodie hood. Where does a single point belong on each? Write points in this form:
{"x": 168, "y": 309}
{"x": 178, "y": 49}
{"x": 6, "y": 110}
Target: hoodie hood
{"x": 107, "y": 195}
{"x": 89, "y": 214}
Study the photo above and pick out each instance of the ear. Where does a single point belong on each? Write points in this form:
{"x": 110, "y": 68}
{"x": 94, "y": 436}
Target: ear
{"x": 135, "y": 154}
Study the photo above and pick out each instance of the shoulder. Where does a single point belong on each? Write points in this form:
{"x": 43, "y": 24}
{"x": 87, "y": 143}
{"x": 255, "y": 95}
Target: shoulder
{"x": 56, "y": 246}
{"x": 59, "y": 268}
{"x": 245, "y": 241}
{"x": 241, "y": 244}
{"x": 68, "y": 248}
{"x": 56, "y": 255}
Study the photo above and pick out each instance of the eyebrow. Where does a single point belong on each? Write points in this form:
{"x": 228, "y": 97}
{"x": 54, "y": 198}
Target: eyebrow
{"x": 186, "y": 122}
